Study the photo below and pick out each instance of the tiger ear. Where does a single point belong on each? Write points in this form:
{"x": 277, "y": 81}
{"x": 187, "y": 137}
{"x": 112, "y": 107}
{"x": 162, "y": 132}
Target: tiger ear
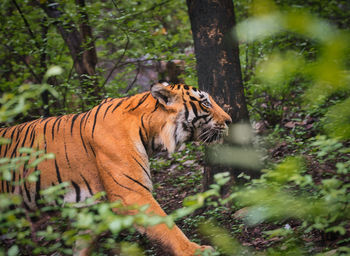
{"x": 163, "y": 93}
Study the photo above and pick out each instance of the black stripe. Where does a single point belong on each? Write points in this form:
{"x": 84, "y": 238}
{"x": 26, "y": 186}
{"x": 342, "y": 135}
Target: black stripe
{"x": 87, "y": 184}
{"x": 199, "y": 118}
{"x": 186, "y": 111}
{"x": 59, "y": 124}
{"x": 12, "y": 133}
{"x": 107, "y": 110}
{"x": 25, "y": 135}
{"x": 81, "y": 134}
{"x": 163, "y": 125}
{"x": 43, "y": 119}
{"x": 175, "y": 134}
{"x": 65, "y": 151}
{"x": 153, "y": 145}
{"x": 18, "y": 128}
{"x": 142, "y": 100}
{"x": 58, "y": 172}
{"x": 53, "y": 127}
{"x": 27, "y": 191}
{"x": 31, "y": 133}
{"x": 131, "y": 101}
{"x": 77, "y": 191}
{"x": 14, "y": 151}
{"x": 95, "y": 119}
{"x": 142, "y": 139}
{"x": 8, "y": 146}
{"x": 45, "y": 125}
{"x": 143, "y": 168}
{"x": 32, "y": 136}
{"x": 205, "y": 110}
{"x": 119, "y": 103}
{"x": 4, "y": 130}
{"x": 87, "y": 118}
{"x": 72, "y": 125}
{"x": 136, "y": 181}
{"x": 92, "y": 149}
{"x": 156, "y": 106}
{"x": 193, "y": 98}
{"x": 37, "y": 187}
{"x": 178, "y": 86}
{"x": 116, "y": 182}
{"x": 143, "y": 126}
{"x": 194, "y": 108}
{"x": 207, "y": 121}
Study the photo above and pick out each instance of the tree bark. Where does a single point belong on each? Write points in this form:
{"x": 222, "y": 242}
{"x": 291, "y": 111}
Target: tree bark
{"x": 80, "y": 44}
{"x": 218, "y": 66}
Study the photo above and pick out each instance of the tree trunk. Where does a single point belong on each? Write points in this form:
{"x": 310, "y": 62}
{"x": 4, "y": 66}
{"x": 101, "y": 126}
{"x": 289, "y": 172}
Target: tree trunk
{"x": 81, "y": 46}
{"x": 218, "y": 66}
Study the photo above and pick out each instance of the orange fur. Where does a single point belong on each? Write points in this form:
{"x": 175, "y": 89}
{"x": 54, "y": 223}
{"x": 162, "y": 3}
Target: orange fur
{"x": 107, "y": 148}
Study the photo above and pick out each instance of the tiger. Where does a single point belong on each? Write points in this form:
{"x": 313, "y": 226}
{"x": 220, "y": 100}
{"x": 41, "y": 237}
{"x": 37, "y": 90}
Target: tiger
{"x": 107, "y": 149}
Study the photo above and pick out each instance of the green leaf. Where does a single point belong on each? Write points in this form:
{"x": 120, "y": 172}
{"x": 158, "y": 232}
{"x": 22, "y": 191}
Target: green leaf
{"x": 13, "y": 251}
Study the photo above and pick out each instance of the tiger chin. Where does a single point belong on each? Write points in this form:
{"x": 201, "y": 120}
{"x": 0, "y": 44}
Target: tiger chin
{"x": 107, "y": 149}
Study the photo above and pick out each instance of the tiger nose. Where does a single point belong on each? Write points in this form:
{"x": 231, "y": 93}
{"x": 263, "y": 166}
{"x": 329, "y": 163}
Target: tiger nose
{"x": 228, "y": 121}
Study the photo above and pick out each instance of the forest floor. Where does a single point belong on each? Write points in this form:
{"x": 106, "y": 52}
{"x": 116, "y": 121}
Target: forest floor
{"x": 180, "y": 175}
{"x": 177, "y": 178}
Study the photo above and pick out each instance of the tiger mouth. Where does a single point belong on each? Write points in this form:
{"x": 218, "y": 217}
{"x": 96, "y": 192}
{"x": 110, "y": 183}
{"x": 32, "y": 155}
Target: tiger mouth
{"x": 212, "y": 135}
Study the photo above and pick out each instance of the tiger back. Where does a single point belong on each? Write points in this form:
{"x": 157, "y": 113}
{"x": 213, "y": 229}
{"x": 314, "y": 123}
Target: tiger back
{"x": 107, "y": 149}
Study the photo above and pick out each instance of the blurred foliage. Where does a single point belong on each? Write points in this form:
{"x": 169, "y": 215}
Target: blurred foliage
{"x": 300, "y": 197}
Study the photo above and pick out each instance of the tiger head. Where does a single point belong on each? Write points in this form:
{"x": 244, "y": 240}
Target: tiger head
{"x": 194, "y": 115}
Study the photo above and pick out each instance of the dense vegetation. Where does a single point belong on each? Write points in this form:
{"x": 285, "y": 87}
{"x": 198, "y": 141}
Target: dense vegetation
{"x": 295, "y": 65}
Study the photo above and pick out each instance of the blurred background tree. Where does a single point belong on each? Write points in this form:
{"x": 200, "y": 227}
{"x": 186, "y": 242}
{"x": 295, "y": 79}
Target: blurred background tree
{"x": 218, "y": 65}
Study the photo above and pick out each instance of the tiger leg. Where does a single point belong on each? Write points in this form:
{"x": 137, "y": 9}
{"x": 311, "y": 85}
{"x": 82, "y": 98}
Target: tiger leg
{"x": 118, "y": 187}
{"x": 171, "y": 238}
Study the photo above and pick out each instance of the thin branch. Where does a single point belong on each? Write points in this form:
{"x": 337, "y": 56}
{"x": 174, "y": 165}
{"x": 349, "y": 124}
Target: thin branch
{"x": 116, "y": 65}
{"x": 135, "y": 79}
{"x": 44, "y": 30}
{"x": 132, "y": 15}
{"x": 43, "y": 64}
{"x": 70, "y": 72}
{"x": 26, "y": 24}
{"x": 36, "y": 77}
{"x": 138, "y": 61}
{"x": 127, "y": 43}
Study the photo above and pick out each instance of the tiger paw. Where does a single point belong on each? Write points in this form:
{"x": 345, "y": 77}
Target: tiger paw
{"x": 203, "y": 248}
{"x": 197, "y": 250}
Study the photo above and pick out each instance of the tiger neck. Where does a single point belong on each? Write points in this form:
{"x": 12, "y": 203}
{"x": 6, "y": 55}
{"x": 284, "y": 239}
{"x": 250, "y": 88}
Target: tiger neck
{"x": 159, "y": 128}
{"x": 157, "y": 131}
{"x": 166, "y": 135}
